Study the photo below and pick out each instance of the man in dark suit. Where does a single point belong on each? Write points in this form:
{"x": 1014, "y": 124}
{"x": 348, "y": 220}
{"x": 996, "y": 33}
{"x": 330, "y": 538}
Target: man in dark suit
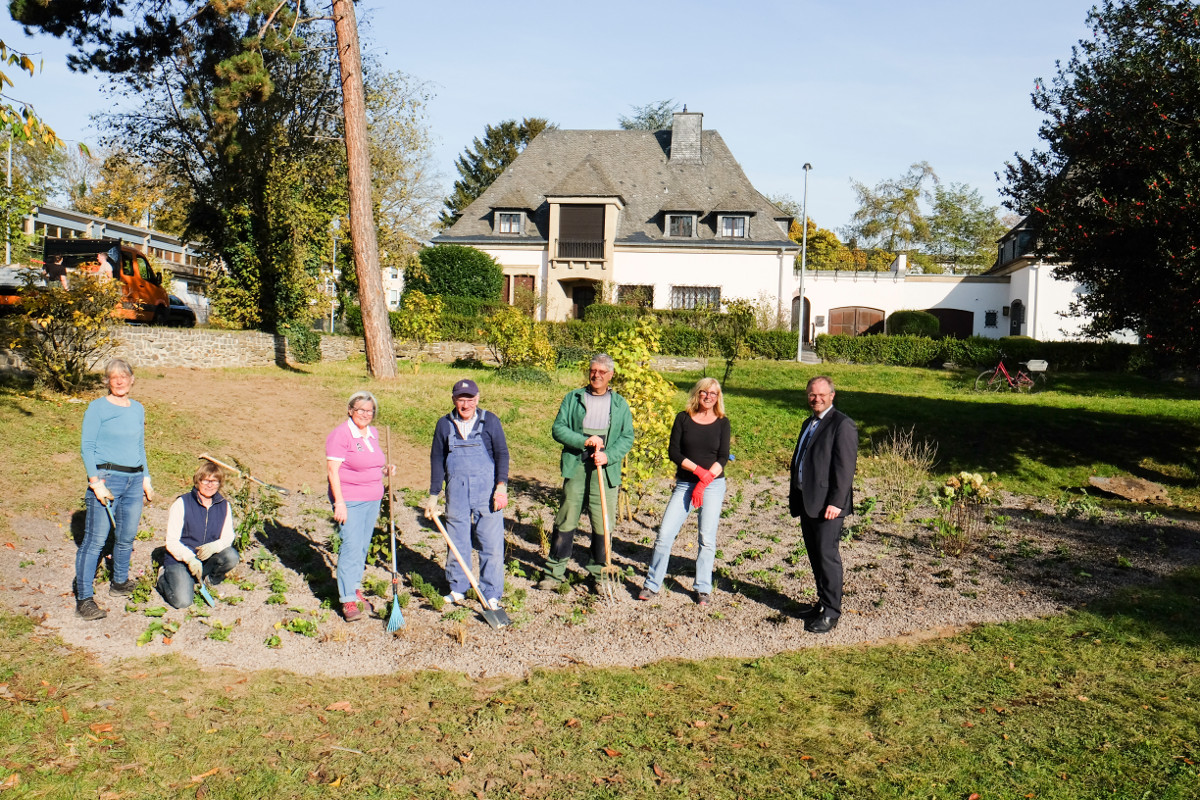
{"x": 821, "y": 496}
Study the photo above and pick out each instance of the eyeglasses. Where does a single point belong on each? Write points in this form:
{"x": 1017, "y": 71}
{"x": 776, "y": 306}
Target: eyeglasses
{"x": 210, "y": 480}
{"x": 705, "y": 393}
{"x": 599, "y": 372}
{"x": 370, "y": 412}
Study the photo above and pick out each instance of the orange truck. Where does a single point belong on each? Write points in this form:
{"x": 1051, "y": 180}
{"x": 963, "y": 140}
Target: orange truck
{"x": 143, "y": 298}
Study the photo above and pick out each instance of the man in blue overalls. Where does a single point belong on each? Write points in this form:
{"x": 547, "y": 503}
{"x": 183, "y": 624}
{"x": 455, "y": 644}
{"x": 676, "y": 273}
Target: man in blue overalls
{"x": 469, "y": 454}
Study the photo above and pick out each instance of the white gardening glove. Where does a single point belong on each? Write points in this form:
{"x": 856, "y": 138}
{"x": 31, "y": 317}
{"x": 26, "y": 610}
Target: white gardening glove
{"x": 431, "y": 506}
{"x": 206, "y": 551}
{"x": 147, "y": 489}
{"x": 102, "y": 493}
{"x": 196, "y": 567}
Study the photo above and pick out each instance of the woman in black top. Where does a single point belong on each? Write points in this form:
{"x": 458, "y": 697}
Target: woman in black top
{"x": 700, "y": 449}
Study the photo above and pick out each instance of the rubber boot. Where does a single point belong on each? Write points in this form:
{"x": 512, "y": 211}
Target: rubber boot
{"x": 555, "y": 573}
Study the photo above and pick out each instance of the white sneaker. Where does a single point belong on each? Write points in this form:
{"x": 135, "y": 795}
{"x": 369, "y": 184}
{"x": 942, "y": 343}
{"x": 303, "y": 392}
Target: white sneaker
{"x": 494, "y": 604}
{"x": 455, "y": 597}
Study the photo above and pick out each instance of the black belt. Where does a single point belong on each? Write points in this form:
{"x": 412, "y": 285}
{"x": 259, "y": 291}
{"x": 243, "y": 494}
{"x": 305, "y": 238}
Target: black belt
{"x": 118, "y": 468}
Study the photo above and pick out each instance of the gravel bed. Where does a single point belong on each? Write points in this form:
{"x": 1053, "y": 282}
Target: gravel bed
{"x": 1030, "y": 562}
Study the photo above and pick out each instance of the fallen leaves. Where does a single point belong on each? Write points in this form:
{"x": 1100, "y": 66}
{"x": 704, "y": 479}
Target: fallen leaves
{"x": 203, "y": 775}
{"x": 343, "y": 705}
{"x": 611, "y": 753}
{"x": 571, "y": 723}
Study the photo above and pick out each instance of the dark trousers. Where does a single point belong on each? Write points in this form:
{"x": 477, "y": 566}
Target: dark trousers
{"x": 821, "y": 539}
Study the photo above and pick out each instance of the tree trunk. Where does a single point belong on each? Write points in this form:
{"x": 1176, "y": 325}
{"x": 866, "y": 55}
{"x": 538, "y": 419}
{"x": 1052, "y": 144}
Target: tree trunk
{"x": 377, "y": 330}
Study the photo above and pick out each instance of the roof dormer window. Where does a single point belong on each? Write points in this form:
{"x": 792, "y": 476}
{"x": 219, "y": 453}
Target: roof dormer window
{"x": 681, "y": 226}
{"x": 732, "y": 226}
{"x": 509, "y": 222}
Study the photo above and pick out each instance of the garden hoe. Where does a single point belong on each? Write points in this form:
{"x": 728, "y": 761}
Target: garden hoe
{"x": 496, "y": 618}
{"x": 396, "y": 620}
{"x": 245, "y": 475}
{"x": 610, "y": 576}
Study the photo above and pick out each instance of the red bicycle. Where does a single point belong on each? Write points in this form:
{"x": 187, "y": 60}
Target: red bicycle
{"x": 997, "y": 378}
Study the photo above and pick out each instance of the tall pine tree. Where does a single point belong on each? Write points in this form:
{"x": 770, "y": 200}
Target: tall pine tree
{"x": 482, "y": 162}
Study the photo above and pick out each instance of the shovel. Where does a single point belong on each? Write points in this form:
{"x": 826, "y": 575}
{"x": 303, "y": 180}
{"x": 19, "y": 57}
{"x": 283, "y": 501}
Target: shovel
{"x": 610, "y": 576}
{"x": 396, "y": 620}
{"x": 241, "y": 474}
{"x": 208, "y": 598}
{"x": 497, "y": 618}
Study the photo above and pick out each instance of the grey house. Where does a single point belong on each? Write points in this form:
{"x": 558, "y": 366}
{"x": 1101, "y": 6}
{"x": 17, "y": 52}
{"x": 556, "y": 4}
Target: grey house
{"x": 665, "y": 218}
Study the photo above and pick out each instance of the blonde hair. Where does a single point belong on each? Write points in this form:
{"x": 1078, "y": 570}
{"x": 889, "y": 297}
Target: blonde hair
{"x": 706, "y": 385}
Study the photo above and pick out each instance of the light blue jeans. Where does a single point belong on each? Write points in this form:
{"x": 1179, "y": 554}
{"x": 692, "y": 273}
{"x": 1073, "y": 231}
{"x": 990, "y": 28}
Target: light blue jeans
{"x": 356, "y": 531}
{"x": 127, "y": 511}
{"x": 677, "y": 511}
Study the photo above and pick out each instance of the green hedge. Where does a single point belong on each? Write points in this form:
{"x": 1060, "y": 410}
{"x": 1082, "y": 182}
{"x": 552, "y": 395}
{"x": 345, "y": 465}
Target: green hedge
{"x": 978, "y": 352}
{"x": 913, "y": 323}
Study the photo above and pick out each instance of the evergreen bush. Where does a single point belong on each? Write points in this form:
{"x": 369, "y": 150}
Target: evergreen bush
{"x": 913, "y": 323}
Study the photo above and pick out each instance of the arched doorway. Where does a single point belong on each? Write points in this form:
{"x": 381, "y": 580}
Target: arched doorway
{"x": 1016, "y": 318}
{"x": 806, "y": 326}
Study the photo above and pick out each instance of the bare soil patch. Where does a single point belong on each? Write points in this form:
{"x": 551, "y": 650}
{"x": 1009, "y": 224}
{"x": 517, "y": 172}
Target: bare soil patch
{"x": 899, "y": 586}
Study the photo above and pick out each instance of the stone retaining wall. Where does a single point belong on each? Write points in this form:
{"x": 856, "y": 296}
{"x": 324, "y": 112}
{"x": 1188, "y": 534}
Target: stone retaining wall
{"x": 206, "y": 349}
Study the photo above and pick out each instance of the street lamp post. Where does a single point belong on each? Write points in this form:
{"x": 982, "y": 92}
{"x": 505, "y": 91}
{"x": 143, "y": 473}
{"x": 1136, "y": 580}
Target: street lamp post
{"x": 800, "y": 324}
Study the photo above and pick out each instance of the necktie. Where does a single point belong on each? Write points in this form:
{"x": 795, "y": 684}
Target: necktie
{"x": 805, "y": 438}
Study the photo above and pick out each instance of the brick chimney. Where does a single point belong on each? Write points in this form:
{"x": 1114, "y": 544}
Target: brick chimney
{"x": 686, "y": 128}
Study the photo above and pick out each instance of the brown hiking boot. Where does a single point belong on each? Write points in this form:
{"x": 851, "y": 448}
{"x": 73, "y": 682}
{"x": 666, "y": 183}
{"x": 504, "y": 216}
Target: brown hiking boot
{"x": 89, "y": 610}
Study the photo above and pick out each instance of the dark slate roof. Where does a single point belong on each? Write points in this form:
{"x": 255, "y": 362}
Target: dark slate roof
{"x": 633, "y": 166}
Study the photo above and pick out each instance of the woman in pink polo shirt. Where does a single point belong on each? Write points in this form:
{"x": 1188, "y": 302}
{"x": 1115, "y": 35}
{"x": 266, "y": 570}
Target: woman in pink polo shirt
{"x": 356, "y": 464}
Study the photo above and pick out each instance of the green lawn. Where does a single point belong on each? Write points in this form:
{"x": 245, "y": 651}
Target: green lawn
{"x": 1099, "y": 703}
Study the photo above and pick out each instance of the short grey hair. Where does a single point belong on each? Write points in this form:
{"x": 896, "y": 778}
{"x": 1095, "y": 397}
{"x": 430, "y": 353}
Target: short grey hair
{"x": 819, "y": 379}
{"x": 358, "y": 396}
{"x": 115, "y": 365}
{"x": 604, "y": 360}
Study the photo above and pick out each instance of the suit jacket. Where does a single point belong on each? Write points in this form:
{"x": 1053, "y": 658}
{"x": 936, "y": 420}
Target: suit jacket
{"x": 829, "y": 462}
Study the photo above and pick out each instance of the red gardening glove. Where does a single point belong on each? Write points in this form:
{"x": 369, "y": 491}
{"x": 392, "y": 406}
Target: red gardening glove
{"x": 698, "y": 492}
{"x": 703, "y": 475}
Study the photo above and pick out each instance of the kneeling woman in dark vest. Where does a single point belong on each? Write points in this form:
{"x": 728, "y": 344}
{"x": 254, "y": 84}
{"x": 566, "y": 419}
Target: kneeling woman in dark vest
{"x": 199, "y": 538}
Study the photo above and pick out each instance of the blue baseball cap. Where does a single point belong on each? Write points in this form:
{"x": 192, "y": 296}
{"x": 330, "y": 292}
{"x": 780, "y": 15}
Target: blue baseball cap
{"x": 465, "y": 388}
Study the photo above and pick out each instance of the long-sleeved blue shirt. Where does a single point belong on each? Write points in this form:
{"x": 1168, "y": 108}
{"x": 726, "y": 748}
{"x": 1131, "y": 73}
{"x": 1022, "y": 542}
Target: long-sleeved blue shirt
{"x": 113, "y": 434}
{"x": 493, "y": 440}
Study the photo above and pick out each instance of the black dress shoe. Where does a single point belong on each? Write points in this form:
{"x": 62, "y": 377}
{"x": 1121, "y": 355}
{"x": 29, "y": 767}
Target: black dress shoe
{"x": 809, "y": 612}
{"x": 822, "y": 624}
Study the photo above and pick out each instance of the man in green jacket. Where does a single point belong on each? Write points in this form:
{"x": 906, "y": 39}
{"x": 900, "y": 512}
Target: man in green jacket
{"x": 595, "y": 428}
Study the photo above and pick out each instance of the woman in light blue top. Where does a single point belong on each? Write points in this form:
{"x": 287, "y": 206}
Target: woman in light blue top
{"x": 113, "y": 445}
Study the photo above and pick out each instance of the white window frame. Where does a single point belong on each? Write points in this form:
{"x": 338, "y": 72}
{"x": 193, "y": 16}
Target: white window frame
{"x": 687, "y": 297}
{"x": 502, "y": 217}
{"x": 691, "y": 224}
{"x": 721, "y": 220}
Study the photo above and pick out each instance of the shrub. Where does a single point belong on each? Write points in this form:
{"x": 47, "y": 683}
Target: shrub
{"x": 913, "y": 323}
{"x": 901, "y": 464}
{"x": 304, "y": 344}
{"x": 517, "y": 341}
{"x": 63, "y": 333}
{"x": 467, "y": 306}
{"x": 455, "y": 270}
{"x": 419, "y": 321}
{"x": 775, "y": 345}
{"x": 903, "y": 351}
{"x": 524, "y": 375}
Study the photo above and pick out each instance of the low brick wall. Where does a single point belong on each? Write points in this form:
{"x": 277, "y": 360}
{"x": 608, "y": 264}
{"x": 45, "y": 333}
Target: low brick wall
{"x": 208, "y": 349}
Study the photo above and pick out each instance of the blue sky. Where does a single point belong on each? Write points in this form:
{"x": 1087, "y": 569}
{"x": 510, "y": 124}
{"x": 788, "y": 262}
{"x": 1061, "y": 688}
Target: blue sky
{"x": 861, "y": 89}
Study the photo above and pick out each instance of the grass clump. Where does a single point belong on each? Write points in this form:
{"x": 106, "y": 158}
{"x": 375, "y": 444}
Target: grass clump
{"x": 901, "y": 465}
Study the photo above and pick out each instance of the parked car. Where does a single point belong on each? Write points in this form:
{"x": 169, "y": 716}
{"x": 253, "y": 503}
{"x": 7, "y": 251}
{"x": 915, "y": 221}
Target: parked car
{"x": 143, "y": 298}
{"x": 180, "y": 315}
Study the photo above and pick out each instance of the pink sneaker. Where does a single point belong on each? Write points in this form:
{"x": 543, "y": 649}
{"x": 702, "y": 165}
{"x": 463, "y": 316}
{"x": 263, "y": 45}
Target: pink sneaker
{"x": 350, "y": 611}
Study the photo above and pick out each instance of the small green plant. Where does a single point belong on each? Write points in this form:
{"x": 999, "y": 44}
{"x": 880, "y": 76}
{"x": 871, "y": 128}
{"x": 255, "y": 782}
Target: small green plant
{"x": 167, "y": 629}
{"x": 273, "y": 642}
{"x": 143, "y": 589}
{"x": 25, "y": 564}
{"x": 1124, "y": 563}
{"x": 219, "y": 631}
{"x": 145, "y": 534}
{"x": 515, "y": 569}
{"x": 516, "y": 599}
{"x": 300, "y": 625}
{"x": 376, "y": 586}
{"x": 427, "y": 590}
{"x": 457, "y": 615}
{"x": 1083, "y": 507}
{"x": 278, "y": 583}
{"x": 276, "y": 599}
{"x": 254, "y": 507}
{"x": 232, "y": 599}
{"x": 157, "y": 611}
{"x": 732, "y": 504}
{"x": 262, "y": 561}
{"x": 246, "y": 585}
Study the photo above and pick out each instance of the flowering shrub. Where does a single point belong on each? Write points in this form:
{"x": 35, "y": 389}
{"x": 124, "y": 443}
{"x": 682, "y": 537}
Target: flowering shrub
{"x": 968, "y": 487}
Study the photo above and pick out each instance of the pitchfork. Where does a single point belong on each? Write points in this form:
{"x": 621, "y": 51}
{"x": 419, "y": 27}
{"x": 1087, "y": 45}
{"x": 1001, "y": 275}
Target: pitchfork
{"x": 610, "y": 576}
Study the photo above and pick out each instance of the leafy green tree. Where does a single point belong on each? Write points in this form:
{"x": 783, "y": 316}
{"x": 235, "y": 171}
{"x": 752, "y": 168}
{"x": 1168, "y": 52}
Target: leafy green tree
{"x": 889, "y": 216}
{"x": 455, "y": 270}
{"x": 419, "y": 320}
{"x": 18, "y": 117}
{"x": 1113, "y": 196}
{"x": 127, "y": 189}
{"x": 735, "y": 328}
{"x": 650, "y": 117}
{"x": 963, "y": 229}
{"x": 482, "y": 162}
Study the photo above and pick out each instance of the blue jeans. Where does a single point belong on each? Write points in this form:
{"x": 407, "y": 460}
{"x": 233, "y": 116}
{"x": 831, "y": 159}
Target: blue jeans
{"x": 127, "y": 511}
{"x": 356, "y": 531}
{"x": 677, "y": 511}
